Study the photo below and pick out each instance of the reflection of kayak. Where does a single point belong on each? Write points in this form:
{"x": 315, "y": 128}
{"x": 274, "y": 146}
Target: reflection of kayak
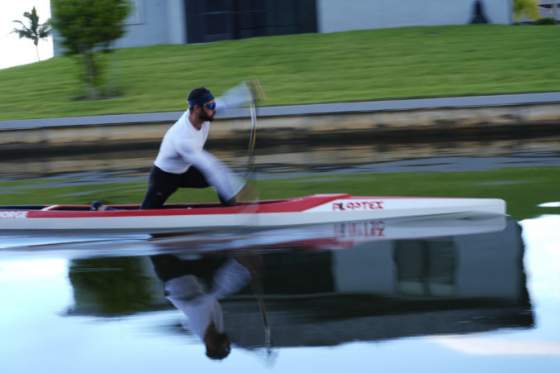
{"x": 326, "y": 236}
{"x": 315, "y": 209}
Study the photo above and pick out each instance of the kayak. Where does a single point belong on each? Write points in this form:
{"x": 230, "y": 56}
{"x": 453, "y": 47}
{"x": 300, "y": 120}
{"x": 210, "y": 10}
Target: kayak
{"x": 314, "y": 209}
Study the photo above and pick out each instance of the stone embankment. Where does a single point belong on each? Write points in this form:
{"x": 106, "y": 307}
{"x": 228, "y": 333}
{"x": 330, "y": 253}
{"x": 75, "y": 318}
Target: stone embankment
{"x": 376, "y": 121}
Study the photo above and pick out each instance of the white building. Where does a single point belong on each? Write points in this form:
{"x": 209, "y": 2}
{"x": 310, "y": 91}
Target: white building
{"x": 194, "y": 21}
{"x": 550, "y": 9}
{"x": 337, "y": 15}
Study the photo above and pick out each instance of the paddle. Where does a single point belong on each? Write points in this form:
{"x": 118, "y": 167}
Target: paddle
{"x": 249, "y": 193}
{"x": 252, "y": 140}
{"x": 256, "y": 281}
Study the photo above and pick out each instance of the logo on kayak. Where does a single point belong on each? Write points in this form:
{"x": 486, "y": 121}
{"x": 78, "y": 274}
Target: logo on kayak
{"x": 357, "y": 206}
{"x": 13, "y": 214}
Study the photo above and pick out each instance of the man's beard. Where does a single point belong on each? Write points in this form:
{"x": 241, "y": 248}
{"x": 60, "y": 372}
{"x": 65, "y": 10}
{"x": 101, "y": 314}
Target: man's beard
{"x": 205, "y": 117}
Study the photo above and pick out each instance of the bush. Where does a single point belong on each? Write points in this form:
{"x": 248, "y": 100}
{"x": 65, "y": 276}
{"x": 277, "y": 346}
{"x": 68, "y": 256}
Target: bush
{"x": 87, "y": 27}
{"x": 526, "y": 8}
{"x": 545, "y": 21}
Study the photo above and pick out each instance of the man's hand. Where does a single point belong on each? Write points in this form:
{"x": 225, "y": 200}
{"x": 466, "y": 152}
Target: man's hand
{"x": 247, "y": 194}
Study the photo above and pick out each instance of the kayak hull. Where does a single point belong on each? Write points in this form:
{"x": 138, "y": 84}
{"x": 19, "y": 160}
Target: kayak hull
{"x": 315, "y": 209}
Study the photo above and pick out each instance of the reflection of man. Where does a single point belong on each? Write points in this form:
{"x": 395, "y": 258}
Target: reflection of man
{"x": 194, "y": 287}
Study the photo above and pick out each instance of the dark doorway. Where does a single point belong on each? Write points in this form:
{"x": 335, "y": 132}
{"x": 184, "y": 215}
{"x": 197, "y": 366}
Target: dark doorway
{"x": 211, "y": 20}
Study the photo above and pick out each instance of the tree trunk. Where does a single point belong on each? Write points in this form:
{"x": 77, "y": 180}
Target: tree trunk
{"x": 90, "y": 77}
{"x": 112, "y": 76}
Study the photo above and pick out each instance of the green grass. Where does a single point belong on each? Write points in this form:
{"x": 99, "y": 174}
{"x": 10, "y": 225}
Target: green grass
{"x": 522, "y": 188}
{"x": 349, "y": 66}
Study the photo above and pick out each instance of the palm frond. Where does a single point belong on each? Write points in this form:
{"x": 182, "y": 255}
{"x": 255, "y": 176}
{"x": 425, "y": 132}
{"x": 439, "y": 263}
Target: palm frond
{"x": 21, "y": 23}
{"x": 44, "y": 30}
{"x": 34, "y": 30}
{"x": 24, "y": 34}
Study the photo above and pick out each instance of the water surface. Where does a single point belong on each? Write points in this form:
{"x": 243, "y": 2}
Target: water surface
{"x": 423, "y": 295}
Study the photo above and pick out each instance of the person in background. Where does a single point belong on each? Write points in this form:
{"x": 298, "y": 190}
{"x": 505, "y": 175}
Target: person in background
{"x": 182, "y": 161}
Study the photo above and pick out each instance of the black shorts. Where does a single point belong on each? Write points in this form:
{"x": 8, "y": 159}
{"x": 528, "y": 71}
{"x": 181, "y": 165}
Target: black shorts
{"x": 163, "y": 184}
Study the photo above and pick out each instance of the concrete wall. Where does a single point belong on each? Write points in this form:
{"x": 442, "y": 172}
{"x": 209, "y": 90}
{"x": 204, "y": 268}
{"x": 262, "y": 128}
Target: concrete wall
{"x": 153, "y": 22}
{"x": 401, "y": 125}
{"x": 336, "y": 15}
{"x": 177, "y": 26}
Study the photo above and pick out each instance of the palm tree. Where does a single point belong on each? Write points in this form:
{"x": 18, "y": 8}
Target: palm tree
{"x": 34, "y": 31}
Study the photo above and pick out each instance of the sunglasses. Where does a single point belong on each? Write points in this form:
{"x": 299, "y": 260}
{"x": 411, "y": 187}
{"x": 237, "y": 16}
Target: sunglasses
{"x": 210, "y": 106}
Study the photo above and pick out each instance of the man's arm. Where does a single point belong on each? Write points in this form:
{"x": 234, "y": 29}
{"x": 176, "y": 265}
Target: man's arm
{"x": 230, "y": 278}
{"x": 240, "y": 95}
{"x": 217, "y": 174}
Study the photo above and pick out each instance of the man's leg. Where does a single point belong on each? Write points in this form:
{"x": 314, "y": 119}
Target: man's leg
{"x": 161, "y": 186}
{"x": 193, "y": 178}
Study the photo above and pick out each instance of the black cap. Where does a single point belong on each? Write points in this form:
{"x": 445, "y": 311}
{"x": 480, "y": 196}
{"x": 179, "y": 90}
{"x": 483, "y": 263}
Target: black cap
{"x": 199, "y": 96}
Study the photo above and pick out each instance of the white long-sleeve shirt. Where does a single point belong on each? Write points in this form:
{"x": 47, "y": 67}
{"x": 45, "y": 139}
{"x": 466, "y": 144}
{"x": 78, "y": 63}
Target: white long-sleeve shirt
{"x": 183, "y": 147}
{"x": 201, "y": 308}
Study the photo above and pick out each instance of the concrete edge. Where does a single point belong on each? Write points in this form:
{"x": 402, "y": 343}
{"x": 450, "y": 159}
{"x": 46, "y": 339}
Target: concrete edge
{"x": 297, "y": 110}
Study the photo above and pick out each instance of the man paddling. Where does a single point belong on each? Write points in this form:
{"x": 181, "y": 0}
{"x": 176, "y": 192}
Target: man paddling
{"x": 182, "y": 161}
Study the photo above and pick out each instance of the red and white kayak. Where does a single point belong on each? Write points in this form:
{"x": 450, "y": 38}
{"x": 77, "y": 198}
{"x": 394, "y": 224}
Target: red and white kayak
{"x": 315, "y": 209}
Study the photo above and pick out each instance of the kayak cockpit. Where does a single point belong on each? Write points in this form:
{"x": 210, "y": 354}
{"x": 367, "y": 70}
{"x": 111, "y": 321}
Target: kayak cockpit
{"x": 126, "y": 207}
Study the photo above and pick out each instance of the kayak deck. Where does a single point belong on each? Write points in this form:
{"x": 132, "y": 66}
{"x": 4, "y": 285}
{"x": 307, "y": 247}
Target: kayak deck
{"x": 84, "y": 207}
{"x": 70, "y": 207}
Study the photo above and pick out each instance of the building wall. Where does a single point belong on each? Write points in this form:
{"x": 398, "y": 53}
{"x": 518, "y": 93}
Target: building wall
{"x": 148, "y": 24}
{"x": 336, "y": 15}
{"x": 550, "y": 9}
{"x": 155, "y": 22}
{"x": 177, "y": 26}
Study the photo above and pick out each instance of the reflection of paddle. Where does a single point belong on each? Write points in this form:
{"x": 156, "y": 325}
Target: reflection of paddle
{"x": 256, "y": 283}
{"x": 254, "y": 264}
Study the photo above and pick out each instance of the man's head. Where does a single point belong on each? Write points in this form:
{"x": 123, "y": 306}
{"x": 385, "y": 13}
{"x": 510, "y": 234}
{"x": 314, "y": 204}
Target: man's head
{"x": 218, "y": 345}
{"x": 202, "y": 104}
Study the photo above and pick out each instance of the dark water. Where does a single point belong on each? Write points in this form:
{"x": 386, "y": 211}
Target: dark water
{"x": 457, "y": 294}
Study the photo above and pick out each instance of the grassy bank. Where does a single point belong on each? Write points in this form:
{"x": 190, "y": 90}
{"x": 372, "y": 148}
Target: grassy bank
{"x": 350, "y": 66}
{"x": 522, "y": 188}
